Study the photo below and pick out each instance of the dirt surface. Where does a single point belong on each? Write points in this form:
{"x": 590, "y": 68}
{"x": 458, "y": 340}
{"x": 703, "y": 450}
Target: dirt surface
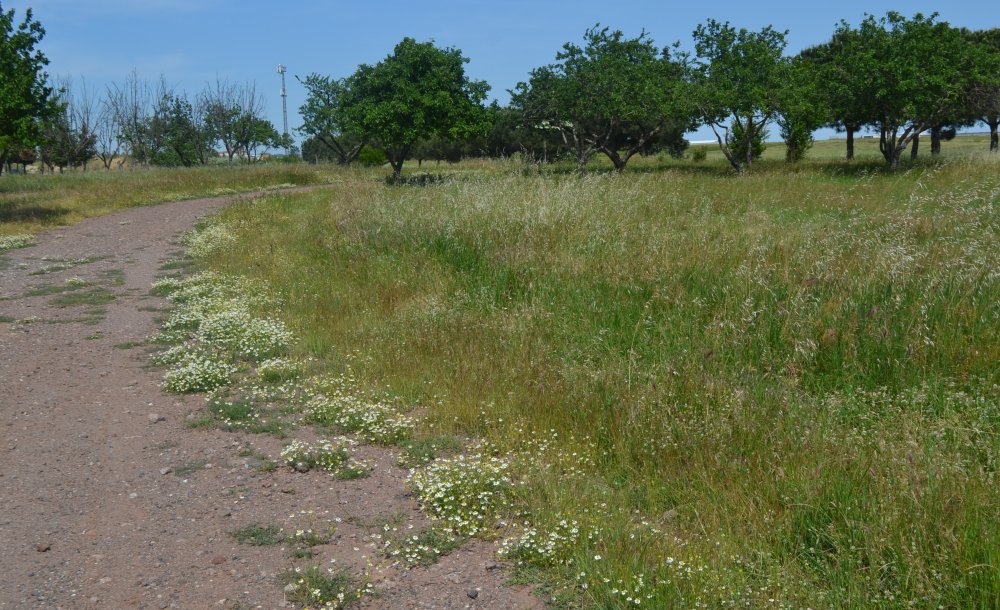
{"x": 107, "y": 499}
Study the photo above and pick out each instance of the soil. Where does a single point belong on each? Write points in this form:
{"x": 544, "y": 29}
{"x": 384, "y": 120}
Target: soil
{"x": 107, "y": 499}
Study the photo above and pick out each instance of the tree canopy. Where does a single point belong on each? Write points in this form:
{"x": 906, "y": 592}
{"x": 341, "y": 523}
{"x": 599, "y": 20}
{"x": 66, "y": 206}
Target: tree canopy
{"x": 738, "y": 83}
{"x": 26, "y": 99}
{"x": 614, "y": 95}
{"x": 417, "y": 92}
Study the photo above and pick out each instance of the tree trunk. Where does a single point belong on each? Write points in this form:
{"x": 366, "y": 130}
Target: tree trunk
{"x": 994, "y": 143}
{"x": 616, "y": 159}
{"x": 936, "y": 140}
{"x": 915, "y": 146}
{"x": 850, "y": 142}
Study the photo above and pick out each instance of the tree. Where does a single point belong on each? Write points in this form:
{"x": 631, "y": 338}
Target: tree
{"x": 68, "y": 138}
{"x": 842, "y": 84}
{"x": 614, "y": 95}
{"x": 738, "y": 81}
{"x": 984, "y": 94}
{"x": 802, "y": 107}
{"x": 915, "y": 71}
{"x": 130, "y": 106}
{"x": 417, "y": 92}
{"x": 107, "y": 135}
{"x": 232, "y": 112}
{"x": 26, "y": 99}
{"x": 324, "y": 118}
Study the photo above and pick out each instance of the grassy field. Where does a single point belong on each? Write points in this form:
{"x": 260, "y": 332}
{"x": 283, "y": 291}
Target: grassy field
{"x": 30, "y": 203}
{"x": 779, "y": 390}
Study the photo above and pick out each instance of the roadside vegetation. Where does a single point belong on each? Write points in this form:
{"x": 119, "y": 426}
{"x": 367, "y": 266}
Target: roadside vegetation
{"x": 777, "y": 391}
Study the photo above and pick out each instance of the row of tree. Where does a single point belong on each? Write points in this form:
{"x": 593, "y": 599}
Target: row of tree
{"x": 621, "y": 96}
{"x": 136, "y": 121}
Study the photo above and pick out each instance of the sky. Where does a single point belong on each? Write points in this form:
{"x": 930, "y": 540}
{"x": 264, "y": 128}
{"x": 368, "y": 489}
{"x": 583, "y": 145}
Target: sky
{"x": 193, "y": 42}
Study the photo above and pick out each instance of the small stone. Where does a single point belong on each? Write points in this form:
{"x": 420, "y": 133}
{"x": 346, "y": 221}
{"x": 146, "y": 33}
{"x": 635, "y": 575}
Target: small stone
{"x": 218, "y": 560}
{"x": 291, "y": 588}
{"x": 166, "y": 470}
{"x": 492, "y": 565}
{"x": 472, "y": 593}
{"x": 133, "y": 495}
{"x": 43, "y": 547}
{"x": 155, "y": 417}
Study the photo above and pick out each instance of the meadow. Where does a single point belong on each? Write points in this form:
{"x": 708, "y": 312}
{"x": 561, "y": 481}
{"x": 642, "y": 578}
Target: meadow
{"x": 778, "y": 390}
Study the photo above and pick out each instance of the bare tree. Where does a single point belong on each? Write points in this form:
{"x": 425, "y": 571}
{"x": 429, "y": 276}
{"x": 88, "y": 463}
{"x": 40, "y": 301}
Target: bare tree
{"x": 130, "y": 104}
{"x": 107, "y": 134}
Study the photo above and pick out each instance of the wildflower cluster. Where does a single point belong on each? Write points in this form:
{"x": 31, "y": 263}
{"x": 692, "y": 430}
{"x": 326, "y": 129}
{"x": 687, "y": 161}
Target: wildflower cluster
{"x": 323, "y": 589}
{"x": 276, "y": 370}
{"x": 243, "y": 335}
{"x": 213, "y": 238}
{"x": 467, "y": 492}
{"x": 10, "y": 242}
{"x": 329, "y": 455}
{"x": 215, "y": 328}
{"x": 375, "y": 422}
{"x": 554, "y": 545}
{"x": 196, "y": 372}
{"x": 419, "y": 549}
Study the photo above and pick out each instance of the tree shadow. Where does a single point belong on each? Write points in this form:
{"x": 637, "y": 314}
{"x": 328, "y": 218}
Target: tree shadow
{"x": 12, "y": 212}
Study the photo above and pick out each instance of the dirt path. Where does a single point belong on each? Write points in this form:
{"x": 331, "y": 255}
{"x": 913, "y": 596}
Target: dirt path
{"x": 108, "y": 501}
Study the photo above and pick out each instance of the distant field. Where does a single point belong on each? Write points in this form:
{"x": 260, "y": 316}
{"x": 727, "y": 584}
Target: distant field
{"x": 779, "y": 390}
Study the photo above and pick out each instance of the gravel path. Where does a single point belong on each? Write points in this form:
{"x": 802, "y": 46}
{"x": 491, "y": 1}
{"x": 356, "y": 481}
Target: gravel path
{"x": 108, "y": 501}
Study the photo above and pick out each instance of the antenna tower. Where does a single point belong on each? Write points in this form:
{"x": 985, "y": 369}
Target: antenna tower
{"x": 284, "y": 104}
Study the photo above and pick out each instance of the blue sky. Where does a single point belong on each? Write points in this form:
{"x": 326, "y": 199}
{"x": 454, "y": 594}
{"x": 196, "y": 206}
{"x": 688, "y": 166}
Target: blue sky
{"x": 190, "y": 42}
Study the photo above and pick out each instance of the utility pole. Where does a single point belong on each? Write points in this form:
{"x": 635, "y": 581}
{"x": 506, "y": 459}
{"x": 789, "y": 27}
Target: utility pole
{"x": 284, "y": 105}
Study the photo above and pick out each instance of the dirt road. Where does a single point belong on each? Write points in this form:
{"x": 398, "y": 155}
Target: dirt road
{"x": 107, "y": 500}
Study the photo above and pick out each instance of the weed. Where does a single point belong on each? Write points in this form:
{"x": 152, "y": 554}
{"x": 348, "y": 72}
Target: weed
{"x": 421, "y": 451}
{"x": 259, "y": 535}
{"x": 316, "y": 587}
{"x": 189, "y": 468}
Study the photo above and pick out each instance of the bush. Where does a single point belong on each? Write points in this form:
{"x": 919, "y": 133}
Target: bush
{"x": 738, "y": 144}
{"x": 699, "y": 154}
{"x": 371, "y": 157}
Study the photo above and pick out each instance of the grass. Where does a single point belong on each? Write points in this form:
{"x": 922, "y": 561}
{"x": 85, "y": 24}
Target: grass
{"x": 259, "y": 535}
{"x": 189, "y": 468}
{"x": 780, "y": 386}
{"x": 31, "y": 203}
{"x": 91, "y": 296}
{"x": 316, "y": 587}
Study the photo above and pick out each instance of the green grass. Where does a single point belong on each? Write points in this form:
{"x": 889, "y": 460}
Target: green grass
{"x": 259, "y": 535}
{"x": 30, "y": 203}
{"x": 786, "y": 380}
{"x": 91, "y": 296}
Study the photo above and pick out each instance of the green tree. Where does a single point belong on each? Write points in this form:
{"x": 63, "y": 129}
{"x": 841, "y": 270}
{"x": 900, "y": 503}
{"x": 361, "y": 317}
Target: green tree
{"x": 842, "y": 84}
{"x": 417, "y": 92}
{"x": 26, "y": 99}
{"x": 738, "y": 81}
{"x": 915, "y": 72}
{"x": 984, "y": 94}
{"x": 614, "y": 95}
{"x": 324, "y": 118}
{"x": 802, "y": 107}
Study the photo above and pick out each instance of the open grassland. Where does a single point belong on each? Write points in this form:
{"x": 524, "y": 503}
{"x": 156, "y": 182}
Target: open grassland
{"x": 779, "y": 390}
{"x": 30, "y": 203}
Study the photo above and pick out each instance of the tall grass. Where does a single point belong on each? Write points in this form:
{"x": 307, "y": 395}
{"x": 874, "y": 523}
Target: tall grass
{"x": 777, "y": 390}
{"x": 30, "y": 203}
